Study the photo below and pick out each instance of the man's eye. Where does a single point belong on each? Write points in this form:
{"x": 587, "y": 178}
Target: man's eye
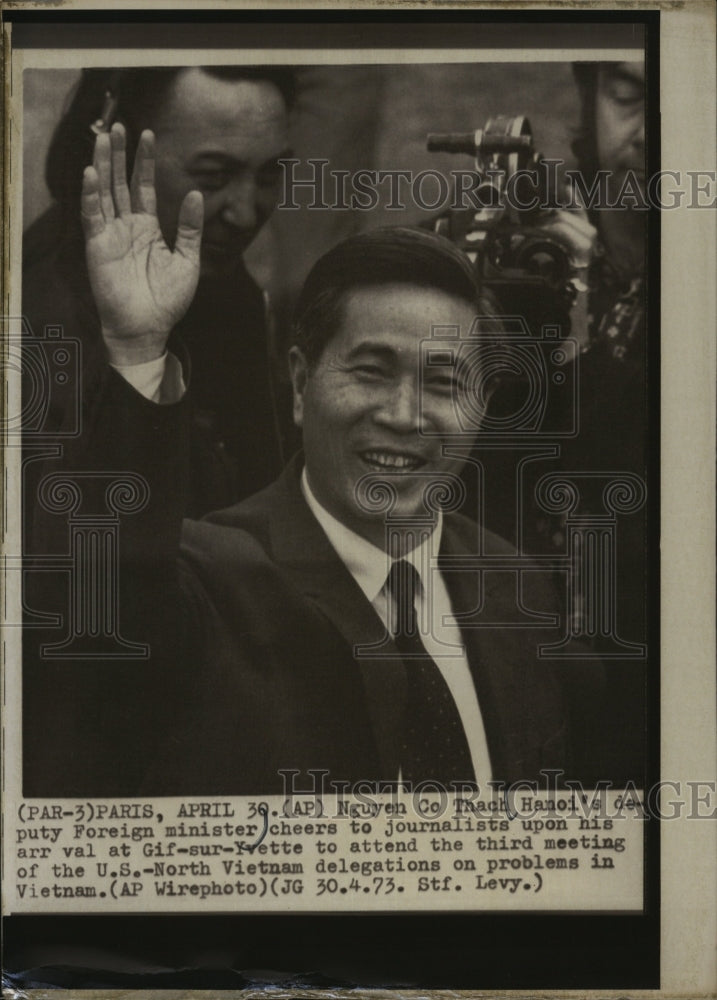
{"x": 369, "y": 371}
{"x": 447, "y": 383}
{"x": 625, "y": 93}
{"x": 211, "y": 180}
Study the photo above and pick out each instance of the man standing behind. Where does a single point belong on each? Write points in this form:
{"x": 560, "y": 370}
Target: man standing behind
{"x": 222, "y": 131}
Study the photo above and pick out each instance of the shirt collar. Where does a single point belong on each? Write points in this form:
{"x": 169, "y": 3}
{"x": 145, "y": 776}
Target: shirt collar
{"x": 367, "y": 564}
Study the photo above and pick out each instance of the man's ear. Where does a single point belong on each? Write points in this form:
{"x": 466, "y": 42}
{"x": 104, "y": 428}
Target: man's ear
{"x": 299, "y": 372}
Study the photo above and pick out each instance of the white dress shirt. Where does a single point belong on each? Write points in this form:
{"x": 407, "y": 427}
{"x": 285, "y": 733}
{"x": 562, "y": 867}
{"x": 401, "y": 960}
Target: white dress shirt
{"x": 159, "y": 380}
{"x": 370, "y": 566}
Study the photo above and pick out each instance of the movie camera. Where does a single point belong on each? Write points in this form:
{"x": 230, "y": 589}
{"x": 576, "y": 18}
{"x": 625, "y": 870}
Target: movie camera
{"x": 500, "y": 221}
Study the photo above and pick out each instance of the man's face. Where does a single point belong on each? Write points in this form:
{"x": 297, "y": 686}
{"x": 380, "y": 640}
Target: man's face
{"x": 620, "y": 121}
{"x": 368, "y": 406}
{"x": 223, "y": 138}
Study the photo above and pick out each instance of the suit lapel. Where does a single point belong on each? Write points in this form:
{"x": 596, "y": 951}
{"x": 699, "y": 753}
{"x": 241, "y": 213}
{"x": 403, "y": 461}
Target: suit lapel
{"x": 306, "y": 556}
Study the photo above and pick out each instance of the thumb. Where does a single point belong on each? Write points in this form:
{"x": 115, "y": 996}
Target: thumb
{"x": 189, "y": 226}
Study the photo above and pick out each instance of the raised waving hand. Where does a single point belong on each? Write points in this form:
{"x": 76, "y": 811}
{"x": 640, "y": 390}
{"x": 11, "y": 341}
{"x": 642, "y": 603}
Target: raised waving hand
{"x": 141, "y": 287}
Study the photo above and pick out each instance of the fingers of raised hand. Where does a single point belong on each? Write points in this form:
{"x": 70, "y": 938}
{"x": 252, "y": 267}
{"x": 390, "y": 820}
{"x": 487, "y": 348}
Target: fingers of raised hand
{"x": 118, "y": 152}
{"x": 93, "y": 220}
{"x": 102, "y": 163}
{"x": 189, "y": 227}
{"x": 142, "y": 188}
{"x": 104, "y": 186}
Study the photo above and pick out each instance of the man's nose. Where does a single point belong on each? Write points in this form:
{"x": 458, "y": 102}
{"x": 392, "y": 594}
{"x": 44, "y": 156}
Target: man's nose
{"x": 240, "y": 205}
{"x": 638, "y": 133}
{"x": 400, "y": 409}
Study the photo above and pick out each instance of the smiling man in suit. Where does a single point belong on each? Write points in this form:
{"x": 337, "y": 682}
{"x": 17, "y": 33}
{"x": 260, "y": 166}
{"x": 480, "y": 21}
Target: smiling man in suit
{"x": 315, "y": 625}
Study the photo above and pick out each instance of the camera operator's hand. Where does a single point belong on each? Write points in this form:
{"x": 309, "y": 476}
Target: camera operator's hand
{"x": 572, "y": 229}
{"x": 141, "y": 287}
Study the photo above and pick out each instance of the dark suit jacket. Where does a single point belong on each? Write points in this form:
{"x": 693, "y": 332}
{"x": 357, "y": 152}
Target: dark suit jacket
{"x": 253, "y": 634}
{"x": 281, "y": 687}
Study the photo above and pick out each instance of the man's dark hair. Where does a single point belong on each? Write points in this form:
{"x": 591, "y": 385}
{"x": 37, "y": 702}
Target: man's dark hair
{"x": 379, "y": 257}
{"x": 137, "y": 94}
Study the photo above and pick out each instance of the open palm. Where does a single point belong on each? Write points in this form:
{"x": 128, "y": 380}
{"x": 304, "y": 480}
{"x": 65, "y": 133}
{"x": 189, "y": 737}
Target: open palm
{"x": 141, "y": 287}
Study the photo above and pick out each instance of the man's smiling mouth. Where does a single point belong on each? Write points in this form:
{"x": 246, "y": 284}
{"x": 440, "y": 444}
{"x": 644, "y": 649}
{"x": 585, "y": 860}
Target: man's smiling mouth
{"x": 392, "y": 461}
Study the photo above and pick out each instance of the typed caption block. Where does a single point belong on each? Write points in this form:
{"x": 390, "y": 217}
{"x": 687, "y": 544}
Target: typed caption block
{"x": 517, "y": 851}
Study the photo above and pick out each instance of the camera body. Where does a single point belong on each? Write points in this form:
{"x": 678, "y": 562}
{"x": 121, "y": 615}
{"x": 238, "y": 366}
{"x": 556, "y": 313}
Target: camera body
{"x": 498, "y": 222}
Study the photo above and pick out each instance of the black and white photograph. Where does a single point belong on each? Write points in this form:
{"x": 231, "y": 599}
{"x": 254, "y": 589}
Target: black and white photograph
{"x": 340, "y": 397}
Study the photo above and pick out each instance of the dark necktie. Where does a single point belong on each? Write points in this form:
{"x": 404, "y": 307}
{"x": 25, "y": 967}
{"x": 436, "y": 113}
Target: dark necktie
{"x": 434, "y": 746}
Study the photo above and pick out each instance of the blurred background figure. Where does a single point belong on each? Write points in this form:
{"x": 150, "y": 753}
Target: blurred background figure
{"x": 222, "y": 131}
{"x": 614, "y": 431}
{"x": 614, "y": 409}
{"x": 612, "y": 139}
